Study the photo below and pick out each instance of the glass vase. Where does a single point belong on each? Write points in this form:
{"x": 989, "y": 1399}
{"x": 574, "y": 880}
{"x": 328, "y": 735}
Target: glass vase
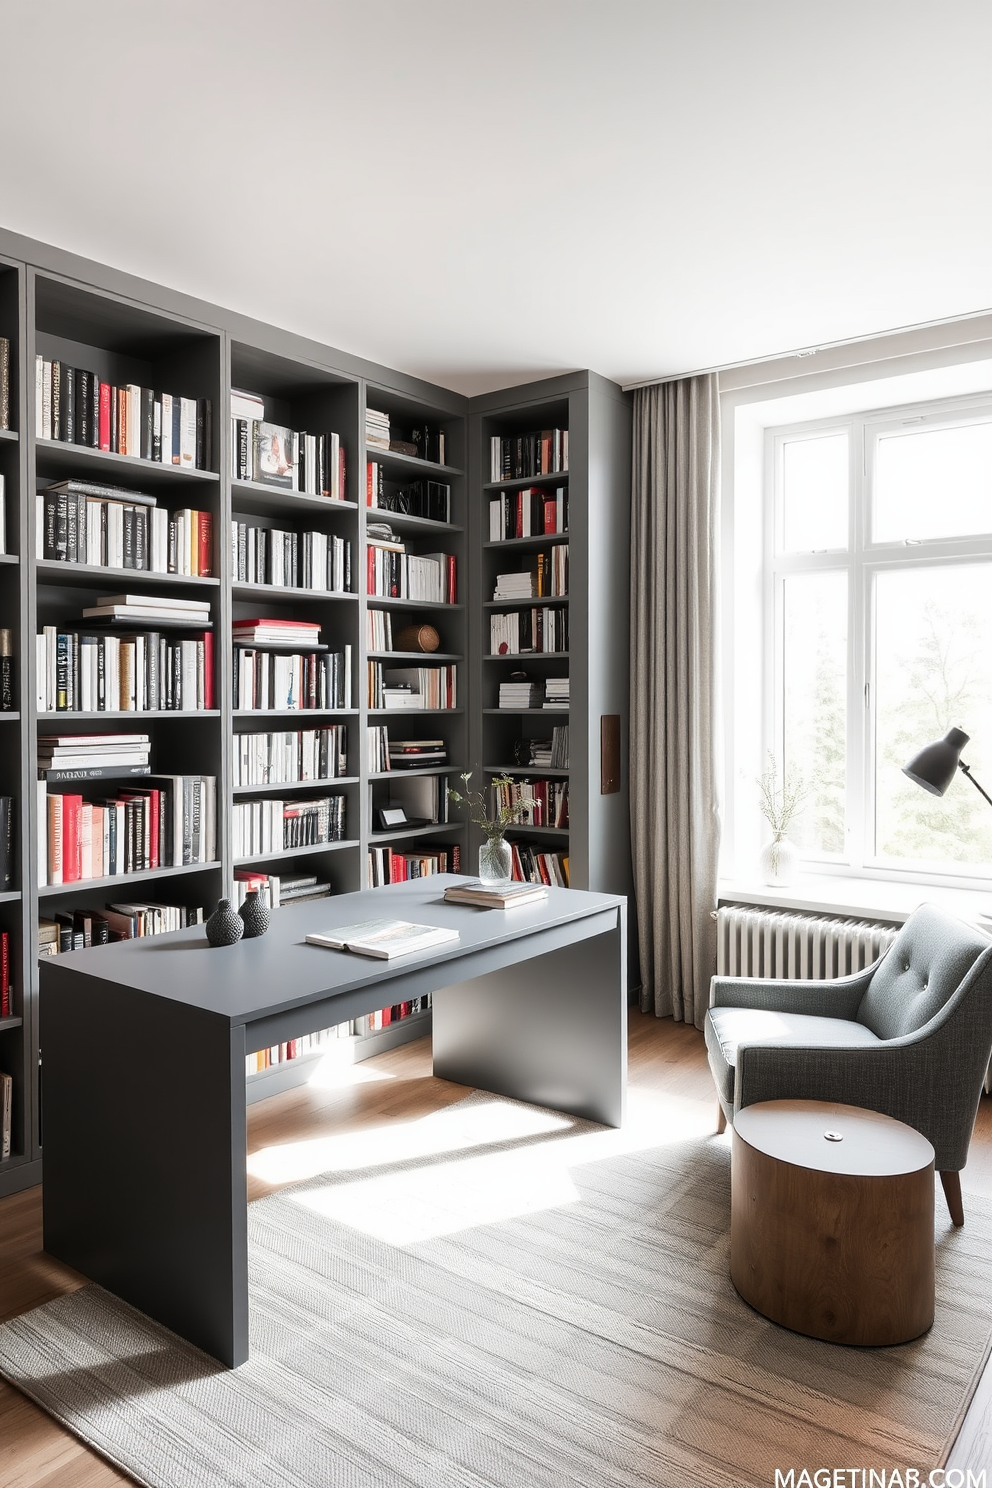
{"x": 779, "y": 861}
{"x": 495, "y": 863}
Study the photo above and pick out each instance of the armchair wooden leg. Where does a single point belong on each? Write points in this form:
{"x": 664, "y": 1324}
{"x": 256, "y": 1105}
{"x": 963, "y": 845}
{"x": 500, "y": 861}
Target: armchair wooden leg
{"x": 721, "y": 1120}
{"x": 951, "y": 1184}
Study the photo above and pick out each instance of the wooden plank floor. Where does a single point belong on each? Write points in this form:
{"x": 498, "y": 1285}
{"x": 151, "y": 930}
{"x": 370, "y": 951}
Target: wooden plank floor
{"x": 666, "y": 1058}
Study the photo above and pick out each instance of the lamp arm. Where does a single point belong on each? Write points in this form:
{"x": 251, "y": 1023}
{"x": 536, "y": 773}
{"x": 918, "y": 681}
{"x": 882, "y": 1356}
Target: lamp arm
{"x": 974, "y": 782}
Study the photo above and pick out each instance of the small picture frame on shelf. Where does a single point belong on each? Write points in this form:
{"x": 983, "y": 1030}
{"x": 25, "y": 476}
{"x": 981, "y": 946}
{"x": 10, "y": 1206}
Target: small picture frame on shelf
{"x": 392, "y": 816}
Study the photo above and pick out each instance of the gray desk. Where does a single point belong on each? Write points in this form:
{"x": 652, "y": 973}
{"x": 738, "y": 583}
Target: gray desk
{"x": 144, "y": 1049}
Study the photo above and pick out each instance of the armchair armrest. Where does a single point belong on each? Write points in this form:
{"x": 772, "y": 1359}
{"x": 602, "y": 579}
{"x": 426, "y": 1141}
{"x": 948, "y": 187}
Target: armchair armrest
{"x": 837, "y": 998}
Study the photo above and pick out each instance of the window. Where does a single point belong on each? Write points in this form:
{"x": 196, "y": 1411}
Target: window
{"x": 878, "y": 619}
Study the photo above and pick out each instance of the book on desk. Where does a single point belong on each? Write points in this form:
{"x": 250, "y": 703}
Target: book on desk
{"x": 383, "y": 938}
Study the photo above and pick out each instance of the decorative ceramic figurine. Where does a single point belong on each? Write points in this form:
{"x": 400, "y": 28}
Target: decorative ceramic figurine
{"x": 224, "y": 927}
{"x": 254, "y": 915}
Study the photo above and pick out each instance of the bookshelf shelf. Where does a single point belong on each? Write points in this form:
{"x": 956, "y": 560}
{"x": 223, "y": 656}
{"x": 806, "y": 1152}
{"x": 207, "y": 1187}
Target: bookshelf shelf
{"x": 8, "y": 1023}
{"x": 528, "y": 544}
{"x": 9, "y": 558}
{"x": 10, "y": 436}
{"x": 524, "y": 830}
{"x": 520, "y": 484}
{"x": 10, "y": 896}
{"x": 403, "y": 522}
{"x": 13, "y": 717}
{"x": 255, "y": 497}
{"x": 410, "y": 465}
{"x": 540, "y": 771}
{"x": 404, "y": 834}
{"x": 95, "y": 576}
{"x": 281, "y": 787}
{"x": 283, "y": 854}
{"x": 384, "y": 713}
{"x": 537, "y": 602}
{"x": 55, "y": 458}
{"x": 423, "y": 657}
{"x": 401, "y": 774}
{"x": 383, "y": 602}
{"x": 526, "y": 658}
{"x": 525, "y": 712}
{"x": 280, "y": 591}
{"x": 120, "y": 881}
{"x": 134, "y": 715}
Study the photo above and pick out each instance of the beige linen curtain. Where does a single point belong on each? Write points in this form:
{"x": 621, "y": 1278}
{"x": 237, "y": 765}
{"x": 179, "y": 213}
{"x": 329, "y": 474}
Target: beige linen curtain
{"x": 673, "y": 799}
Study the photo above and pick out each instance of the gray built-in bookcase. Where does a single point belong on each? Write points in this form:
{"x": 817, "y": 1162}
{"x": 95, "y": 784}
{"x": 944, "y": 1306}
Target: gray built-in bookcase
{"x": 128, "y": 330}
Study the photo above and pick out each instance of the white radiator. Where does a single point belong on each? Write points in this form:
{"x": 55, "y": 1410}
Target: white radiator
{"x": 771, "y": 943}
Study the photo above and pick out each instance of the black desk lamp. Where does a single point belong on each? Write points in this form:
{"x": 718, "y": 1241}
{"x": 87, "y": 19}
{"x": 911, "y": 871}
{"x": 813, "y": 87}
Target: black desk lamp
{"x": 936, "y": 765}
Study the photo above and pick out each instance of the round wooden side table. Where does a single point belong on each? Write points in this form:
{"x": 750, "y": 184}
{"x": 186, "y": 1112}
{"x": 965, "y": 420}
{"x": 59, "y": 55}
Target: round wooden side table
{"x": 831, "y": 1229}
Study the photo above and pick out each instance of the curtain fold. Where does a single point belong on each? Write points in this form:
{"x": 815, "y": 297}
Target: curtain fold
{"x": 675, "y": 830}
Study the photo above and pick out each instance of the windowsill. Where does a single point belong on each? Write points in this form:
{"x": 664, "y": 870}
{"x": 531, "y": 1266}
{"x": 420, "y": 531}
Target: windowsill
{"x": 866, "y": 898}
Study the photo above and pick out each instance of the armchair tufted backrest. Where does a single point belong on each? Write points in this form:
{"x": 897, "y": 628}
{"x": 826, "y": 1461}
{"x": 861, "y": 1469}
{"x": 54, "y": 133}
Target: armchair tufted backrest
{"x": 924, "y": 967}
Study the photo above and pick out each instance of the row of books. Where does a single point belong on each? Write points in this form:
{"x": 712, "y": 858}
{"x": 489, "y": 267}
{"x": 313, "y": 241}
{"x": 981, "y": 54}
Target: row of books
{"x": 542, "y": 629}
{"x": 131, "y": 673}
{"x": 290, "y": 560}
{"x": 65, "y": 758}
{"x": 107, "y": 527}
{"x": 547, "y": 580}
{"x": 417, "y": 688}
{"x": 549, "y": 797}
{"x": 285, "y": 682}
{"x": 534, "y": 512}
{"x": 286, "y": 758}
{"x": 532, "y": 864}
{"x": 389, "y": 865}
{"x": 385, "y": 753}
{"x": 549, "y": 754}
{"x": 77, "y": 929}
{"x": 75, "y": 407}
{"x": 268, "y": 826}
{"x": 8, "y": 816}
{"x": 276, "y": 889}
{"x": 313, "y": 464}
{"x": 424, "y": 498}
{"x": 543, "y": 452}
{"x": 168, "y": 823}
{"x": 6, "y": 988}
{"x": 393, "y": 573}
{"x": 322, "y": 1042}
{"x": 424, "y": 441}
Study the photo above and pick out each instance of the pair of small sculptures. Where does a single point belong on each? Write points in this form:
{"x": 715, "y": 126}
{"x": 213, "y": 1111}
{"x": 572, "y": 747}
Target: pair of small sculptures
{"x": 227, "y": 926}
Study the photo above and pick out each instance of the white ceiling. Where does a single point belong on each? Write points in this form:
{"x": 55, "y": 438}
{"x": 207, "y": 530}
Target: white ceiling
{"x": 486, "y": 191}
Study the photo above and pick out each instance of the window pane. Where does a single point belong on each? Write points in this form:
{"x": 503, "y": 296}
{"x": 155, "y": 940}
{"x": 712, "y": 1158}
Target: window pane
{"x": 933, "y": 483}
{"x": 814, "y": 614}
{"x": 814, "y": 494}
{"x": 933, "y": 671}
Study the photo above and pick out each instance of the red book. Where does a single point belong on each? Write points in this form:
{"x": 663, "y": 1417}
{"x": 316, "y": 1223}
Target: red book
{"x": 153, "y": 828}
{"x": 451, "y": 579}
{"x": 404, "y": 1010}
{"x": 208, "y": 668}
{"x": 104, "y": 430}
{"x": 269, "y": 620}
{"x": 518, "y": 519}
{"x": 205, "y": 526}
{"x": 370, "y": 566}
{"x": 550, "y": 515}
{"x": 369, "y": 482}
{"x": 72, "y": 811}
{"x": 387, "y": 1017}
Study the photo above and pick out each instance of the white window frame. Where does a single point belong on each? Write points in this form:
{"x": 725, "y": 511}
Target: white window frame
{"x": 862, "y": 561}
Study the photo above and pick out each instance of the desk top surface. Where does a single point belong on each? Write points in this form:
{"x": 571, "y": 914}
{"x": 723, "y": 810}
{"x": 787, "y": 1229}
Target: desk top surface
{"x": 279, "y": 970}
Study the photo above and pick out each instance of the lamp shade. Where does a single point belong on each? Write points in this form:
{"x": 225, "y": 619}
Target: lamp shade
{"x": 936, "y": 765}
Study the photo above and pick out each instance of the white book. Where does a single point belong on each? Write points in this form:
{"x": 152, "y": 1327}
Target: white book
{"x": 39, "y": 527}
{"x": 166, "y": 428}
{"x": 384, "y": 939}
{"x": 187, "y": 433}
{"x": 46, "y": 400}
{"x": 39, "y": 396}
{"x": 115, "y": 534}
{"x": 42, "y": 834}
{"x": 133, "y": 420}
{"x": 159, "y": 540}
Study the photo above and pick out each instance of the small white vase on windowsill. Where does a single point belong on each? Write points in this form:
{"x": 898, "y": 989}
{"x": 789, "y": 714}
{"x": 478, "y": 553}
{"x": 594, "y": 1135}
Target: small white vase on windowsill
{"x": 779, "y": 861}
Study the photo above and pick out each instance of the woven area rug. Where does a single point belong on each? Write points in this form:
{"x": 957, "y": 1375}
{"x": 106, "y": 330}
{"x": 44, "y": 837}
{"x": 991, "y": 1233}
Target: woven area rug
{"x": 509, "y": 1299}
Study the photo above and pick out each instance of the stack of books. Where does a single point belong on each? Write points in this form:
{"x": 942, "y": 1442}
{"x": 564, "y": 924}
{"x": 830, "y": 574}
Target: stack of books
{"x": 138, "y": 609}
{"x": 549, "y": 754}
{"x": 304, "y": 634}
{"x": 474, "y": 891}
{"x": 276, "y": 889}
{"x": 376, "y": 429}
{"x": 516, "y": 586}
{"x": 65, "y": 757}
{"x": 556, "y": 692}
{"x": 415, "y": 754}
{"x": 516, "y": 695}
{"x": 412, "y": 687}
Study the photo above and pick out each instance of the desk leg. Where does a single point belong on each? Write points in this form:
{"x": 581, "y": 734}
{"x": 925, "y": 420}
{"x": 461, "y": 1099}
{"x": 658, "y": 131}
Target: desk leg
{"x": 551, "y": 1031}
{"x": 144, "y": 1148}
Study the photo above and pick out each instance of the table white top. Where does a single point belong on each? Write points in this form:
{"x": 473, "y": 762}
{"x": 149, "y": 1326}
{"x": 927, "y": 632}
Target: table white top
{"x": 871, "y": 1145}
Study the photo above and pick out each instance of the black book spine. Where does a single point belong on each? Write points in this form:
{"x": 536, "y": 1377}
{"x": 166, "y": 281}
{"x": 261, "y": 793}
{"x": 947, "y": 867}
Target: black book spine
{"x": 178, "y": 700}
{"x": 84, "y": 405}
{"x": 62, "y": 527}
{"x": 141, "y": 537}
{"x": 147, "y": 423}
{"x": 6, "y": 842}
{"x": 129, "y": 537}
{"x": 68, "y": 404}
{"x": 56, "y": 400}
{"x": 94, "y": 411}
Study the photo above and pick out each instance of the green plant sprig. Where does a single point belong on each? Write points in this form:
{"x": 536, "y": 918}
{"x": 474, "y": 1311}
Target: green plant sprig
{"x": 781, "y": 804}
{"x": 478, "y": 814}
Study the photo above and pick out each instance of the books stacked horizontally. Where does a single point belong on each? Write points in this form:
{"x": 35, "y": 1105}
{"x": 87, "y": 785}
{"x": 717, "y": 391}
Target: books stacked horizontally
{"x": 74, "y": 406}
{"x": 269, "y": 826}
{"x": 516, "y": 586}
{"x": 384, "y": 939}
{"x": 313, "y": 464}
{"x": 556, "y": 692}
{"x": 290, "y": 560}
{"x": 286, "y": 681}
{"x": 276, "y": 889}
{"x": 516, "y": 695}
{"x": 66, "y": 757}
{"x": 285, "y": 758}
{"x": 111, "y": 673}
{"x": 77, "y": 929}
{"x": 541, "y": 629}
{"x": 415, "y": 754}
{"x": 474, "y": 891}
{"x": 376, "y": 429}
{"x": 170, "y": 823}
{"x": 106, "y": 526}
{"x": 548, "y": 754}
{"x": 140, "y": 609}
{"x": 304, "y": 634}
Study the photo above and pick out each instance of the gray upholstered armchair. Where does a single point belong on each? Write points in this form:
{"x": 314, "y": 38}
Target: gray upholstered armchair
{"x": 909, "y": 1036}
